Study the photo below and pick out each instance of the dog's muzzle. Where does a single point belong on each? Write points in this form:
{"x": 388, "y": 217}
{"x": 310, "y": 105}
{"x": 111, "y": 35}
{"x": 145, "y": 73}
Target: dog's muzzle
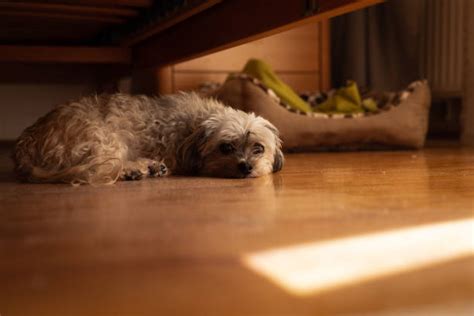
{"x": 245, "y": 168}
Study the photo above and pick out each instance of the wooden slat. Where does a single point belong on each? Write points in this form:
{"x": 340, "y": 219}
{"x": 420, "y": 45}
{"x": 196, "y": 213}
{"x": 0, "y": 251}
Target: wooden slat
{"x": 61, "y": 16}
{"x": 24, "y": 73}
{"x": 231, "y": 23}
{"x": 117, "y": 3}
{"x": 64, "y": 54}
{"x": 66, "y": 8}
{"x": 130, "y": 3}
{"x": 48, "y": 32}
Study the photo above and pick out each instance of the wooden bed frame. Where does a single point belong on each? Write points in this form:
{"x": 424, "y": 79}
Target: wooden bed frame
{"x": 146, "y": 34}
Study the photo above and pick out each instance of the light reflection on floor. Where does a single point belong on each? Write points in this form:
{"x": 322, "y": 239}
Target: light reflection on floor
{"x": 314, "y": 267}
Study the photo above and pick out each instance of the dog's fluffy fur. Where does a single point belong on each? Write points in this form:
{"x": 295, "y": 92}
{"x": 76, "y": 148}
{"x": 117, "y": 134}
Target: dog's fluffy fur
{"x": 100, "y": 139}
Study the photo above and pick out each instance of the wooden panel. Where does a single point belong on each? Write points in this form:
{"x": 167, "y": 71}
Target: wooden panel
{"x": 51, "y": 32}
{"x": 294, "y": 50}
{"x": 60, "y": 54}
{"x": 302, "y": 81}
{"x": 129, "y": 3}
{"x": 65, "y": 8}
{"x": 174, "y": 18}
{"x": 28, "y": 74}
{"x": 191, "y": 81}
{"x": 61, "y": 16}
{"x": 232, "y": 23}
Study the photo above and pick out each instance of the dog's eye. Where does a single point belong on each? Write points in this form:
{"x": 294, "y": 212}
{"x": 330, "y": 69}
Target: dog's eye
{"x": 226, "y": 148}
{"x": 258, "y": 149}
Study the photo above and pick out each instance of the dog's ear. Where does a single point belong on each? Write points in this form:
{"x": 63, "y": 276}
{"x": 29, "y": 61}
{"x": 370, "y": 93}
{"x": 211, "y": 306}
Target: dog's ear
{"x": 188, "y": 156}
{"x": 278, "y": 159}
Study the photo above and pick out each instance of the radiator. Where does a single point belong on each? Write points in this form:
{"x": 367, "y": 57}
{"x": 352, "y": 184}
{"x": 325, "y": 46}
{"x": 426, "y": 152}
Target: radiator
{"x": 443, "y": 46}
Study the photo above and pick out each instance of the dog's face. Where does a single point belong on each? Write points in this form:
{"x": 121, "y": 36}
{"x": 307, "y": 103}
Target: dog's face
{"x": 233, "y": 144}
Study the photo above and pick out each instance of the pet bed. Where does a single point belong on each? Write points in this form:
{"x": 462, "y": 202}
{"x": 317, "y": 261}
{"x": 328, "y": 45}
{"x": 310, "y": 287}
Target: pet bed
{"x": 400, "y": 121}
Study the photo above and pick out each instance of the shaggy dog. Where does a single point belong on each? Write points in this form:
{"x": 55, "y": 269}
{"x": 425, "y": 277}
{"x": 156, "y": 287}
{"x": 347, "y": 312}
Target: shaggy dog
{"x": 101, "y": 139}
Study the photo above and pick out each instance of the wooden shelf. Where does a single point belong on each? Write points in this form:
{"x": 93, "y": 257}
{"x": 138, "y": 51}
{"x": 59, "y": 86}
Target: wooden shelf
{"x": 64, "y": 54}
{"x": 62, "y": 16}
{"x": 67, "y": 8}
{"x": 114, "y": 3}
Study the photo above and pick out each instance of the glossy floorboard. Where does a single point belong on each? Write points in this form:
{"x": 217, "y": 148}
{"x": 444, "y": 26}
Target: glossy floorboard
{"x": 175, "y": 245}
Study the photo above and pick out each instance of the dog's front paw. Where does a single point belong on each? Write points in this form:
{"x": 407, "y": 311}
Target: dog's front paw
{"x": 157, "y": 169}
{"x": 131, "y": 175}
{"x": 143, "y": 168}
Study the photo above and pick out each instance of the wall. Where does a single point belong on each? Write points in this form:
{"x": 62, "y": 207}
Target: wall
{"x": 29, "y": 91}
{"x": 22, "y": 104}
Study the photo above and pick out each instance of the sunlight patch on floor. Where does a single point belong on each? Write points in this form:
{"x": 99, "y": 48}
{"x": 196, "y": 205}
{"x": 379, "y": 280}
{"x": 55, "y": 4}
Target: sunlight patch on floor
{"x": 314, "y": 267}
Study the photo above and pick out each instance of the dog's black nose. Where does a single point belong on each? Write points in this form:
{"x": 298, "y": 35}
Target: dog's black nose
{"x": 245, "y": 168}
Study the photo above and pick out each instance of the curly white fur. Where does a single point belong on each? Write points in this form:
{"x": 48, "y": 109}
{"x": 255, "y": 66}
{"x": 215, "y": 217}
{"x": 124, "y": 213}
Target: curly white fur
{"x": 100, "y": 139}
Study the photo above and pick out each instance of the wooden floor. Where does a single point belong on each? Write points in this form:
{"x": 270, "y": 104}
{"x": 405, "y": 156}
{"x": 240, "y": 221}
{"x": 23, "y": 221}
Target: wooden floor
{"x": 175, "y": 245}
